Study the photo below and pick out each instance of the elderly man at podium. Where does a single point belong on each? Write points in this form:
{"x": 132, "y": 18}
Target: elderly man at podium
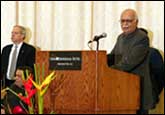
{"x": 130, "y": 54}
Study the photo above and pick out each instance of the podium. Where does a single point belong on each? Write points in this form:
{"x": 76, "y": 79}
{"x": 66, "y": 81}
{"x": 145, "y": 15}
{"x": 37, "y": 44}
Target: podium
{"x": 92, "y": 88}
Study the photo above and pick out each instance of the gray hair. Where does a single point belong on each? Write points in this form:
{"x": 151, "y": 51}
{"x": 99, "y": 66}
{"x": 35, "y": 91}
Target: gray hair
{"x": 23, "y": 30}
{"x": 134, "y": 13}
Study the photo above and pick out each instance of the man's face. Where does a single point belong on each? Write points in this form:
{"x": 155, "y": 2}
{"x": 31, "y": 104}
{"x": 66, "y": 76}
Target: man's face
{"x": 18, "y": 78}
{"x": 128, "y": 22}
{"x": 17, "y": 36}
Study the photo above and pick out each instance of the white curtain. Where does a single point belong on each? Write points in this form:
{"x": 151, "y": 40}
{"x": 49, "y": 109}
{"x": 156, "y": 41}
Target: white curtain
{"x": 69, "y": 25}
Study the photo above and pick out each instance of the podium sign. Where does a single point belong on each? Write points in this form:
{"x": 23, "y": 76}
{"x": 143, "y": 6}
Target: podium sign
{"x": 65, "y": 60}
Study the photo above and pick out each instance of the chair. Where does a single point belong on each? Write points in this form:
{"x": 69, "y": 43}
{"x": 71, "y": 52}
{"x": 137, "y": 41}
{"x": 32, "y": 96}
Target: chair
{"x": 156, "y": 71}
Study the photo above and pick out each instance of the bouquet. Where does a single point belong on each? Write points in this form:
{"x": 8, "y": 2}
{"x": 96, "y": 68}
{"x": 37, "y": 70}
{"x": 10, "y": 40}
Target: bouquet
{"x": 33, "y": 88}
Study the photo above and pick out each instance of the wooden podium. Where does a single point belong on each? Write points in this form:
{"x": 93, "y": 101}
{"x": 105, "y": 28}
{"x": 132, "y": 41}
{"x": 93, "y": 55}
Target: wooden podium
{"x": 95, "y": 88}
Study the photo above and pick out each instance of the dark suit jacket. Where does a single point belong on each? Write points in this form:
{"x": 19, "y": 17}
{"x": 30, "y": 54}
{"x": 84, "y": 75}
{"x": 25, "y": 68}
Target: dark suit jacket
{"x": 130, "y": 54}
{"x": 26, "y": 57}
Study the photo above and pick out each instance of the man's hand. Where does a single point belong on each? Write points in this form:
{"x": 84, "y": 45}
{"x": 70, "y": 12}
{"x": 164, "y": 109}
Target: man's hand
{"x": 3, "y": 93}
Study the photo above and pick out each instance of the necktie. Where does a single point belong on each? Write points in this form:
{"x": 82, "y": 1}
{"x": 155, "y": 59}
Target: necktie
{"x": 13, "y": 63}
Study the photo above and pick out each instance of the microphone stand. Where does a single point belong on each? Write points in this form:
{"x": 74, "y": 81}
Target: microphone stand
{"x": 97, "y": 49}
{"x": 96, "y": 79}
{"x": 97, "y": 71}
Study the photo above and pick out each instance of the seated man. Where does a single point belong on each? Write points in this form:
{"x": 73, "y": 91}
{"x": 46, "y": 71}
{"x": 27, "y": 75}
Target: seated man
{"x": 11, "y": 100}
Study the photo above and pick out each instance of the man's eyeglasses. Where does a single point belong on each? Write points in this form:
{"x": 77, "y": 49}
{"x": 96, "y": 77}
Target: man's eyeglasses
{"x": 126, "y": 20}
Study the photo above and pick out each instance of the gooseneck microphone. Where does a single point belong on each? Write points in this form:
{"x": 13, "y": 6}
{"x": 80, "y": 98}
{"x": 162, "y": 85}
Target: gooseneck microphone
{"x": 98, "y": 37}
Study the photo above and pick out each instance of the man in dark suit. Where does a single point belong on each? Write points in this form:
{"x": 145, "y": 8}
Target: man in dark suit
{"x": 25, "y": 54}
{"x": 130, "y": 55}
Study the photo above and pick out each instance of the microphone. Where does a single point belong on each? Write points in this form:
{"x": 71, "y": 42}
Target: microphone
{"x": 96, "y": 38}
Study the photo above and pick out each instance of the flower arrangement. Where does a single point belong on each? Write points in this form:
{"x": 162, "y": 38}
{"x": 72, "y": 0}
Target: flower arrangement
{"x": 37, "y": 87}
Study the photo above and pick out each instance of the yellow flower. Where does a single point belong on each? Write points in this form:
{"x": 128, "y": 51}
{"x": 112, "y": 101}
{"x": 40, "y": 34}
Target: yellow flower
{"x": 48, "y": 79}
{"x": 44, "y": 84}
